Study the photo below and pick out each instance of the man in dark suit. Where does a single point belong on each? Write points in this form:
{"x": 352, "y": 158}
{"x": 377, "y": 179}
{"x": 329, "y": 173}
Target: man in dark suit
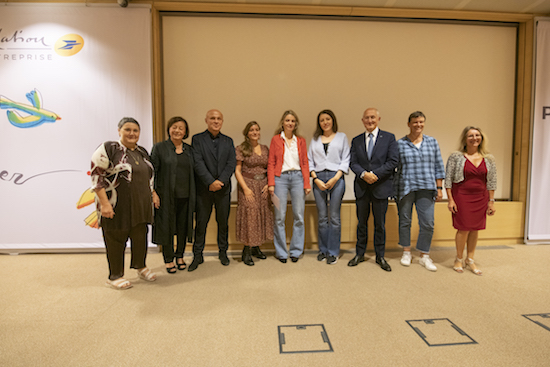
{"x": 214, "y": 155}
{"x": 373, "y": 159}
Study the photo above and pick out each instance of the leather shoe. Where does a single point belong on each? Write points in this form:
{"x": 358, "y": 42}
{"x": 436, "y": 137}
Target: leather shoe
{"x": 197, "y": 260}
{"x": 247, "y": 256}
{"x": 383, "y": 263}
{"x": 356, "y": 260}
{"x": 223, "y": 258}
{"x": 256, "y": 252}
{"x": 294, "y": 259}
{"x": 283, "y": 261}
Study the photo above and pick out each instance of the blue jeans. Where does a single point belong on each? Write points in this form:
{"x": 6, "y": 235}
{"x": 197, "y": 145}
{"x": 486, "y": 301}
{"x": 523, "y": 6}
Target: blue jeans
{"x": 424, "y": 202}
{"x": 329, "y": 203}
{"x": 293, "y": 183}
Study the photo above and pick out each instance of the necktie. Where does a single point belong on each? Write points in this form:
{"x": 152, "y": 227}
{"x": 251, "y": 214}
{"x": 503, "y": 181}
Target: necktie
{"x": 370, "y": 146}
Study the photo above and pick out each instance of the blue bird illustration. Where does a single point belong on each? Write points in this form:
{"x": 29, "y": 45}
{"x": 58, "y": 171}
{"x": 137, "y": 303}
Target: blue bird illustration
{"x": 36, "y": 114}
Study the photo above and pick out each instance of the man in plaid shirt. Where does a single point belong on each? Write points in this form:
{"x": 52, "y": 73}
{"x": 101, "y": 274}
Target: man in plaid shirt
{"x": 418, "y": 181}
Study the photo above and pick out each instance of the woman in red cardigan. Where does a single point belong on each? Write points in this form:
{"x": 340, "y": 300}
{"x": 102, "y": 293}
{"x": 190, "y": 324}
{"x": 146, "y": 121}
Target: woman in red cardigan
{"x": 288, "y": 172}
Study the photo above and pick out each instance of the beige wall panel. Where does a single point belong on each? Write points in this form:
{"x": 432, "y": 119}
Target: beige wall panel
{"x": 255, "y": 68}
{"x": 348, "y": 219}
{"x": 431, "y": 13}
{"x": 505, "y": 227}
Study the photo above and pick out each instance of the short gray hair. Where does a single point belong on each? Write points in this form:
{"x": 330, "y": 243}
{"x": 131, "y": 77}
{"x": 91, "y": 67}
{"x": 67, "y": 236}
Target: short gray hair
{"x": 126, "y": 120}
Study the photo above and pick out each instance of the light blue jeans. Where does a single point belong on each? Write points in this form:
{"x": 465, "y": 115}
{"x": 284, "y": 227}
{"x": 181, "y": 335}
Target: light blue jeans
{"x": 293, "y": 183}
{"x": 424, "y": 201}
{"x": 329, "y": 203}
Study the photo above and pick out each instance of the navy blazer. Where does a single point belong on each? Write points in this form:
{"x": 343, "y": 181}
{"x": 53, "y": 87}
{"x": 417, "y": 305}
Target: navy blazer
{"x": 208, "y": 166}
{"x": 384, "y": 160}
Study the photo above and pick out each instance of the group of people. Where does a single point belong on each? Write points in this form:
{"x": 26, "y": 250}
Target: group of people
{"x": 176, "y": 187}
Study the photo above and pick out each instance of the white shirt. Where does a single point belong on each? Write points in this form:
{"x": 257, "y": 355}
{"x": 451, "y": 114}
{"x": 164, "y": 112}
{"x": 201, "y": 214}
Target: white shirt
{"x": 291, "y": 158}
{"x": 374, "y": 136}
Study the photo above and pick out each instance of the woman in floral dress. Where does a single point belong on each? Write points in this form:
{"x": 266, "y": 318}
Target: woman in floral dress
{"x": 254, "y": 215}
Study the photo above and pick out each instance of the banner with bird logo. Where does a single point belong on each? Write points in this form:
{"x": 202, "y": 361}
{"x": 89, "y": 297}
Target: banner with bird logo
{"x": 68, "y": 74}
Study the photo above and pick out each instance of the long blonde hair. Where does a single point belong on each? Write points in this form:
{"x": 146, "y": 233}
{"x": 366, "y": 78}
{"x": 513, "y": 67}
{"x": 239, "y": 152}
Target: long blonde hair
{"x": 285, "y": 114}
{"x": 482, "y": 148}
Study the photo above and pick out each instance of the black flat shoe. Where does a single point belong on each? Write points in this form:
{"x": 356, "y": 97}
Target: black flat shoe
{"x": 223, "y": 258}
{"x": 383, "y": 263}
{"x": 356, "y": 260}
{"x": 197, "y": 260}
{"x": 294, "y": 259}
{"x": 283, "y": 261}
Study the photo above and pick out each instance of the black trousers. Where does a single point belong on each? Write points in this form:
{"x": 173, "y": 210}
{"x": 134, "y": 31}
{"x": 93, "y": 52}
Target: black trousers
{"x": 115, "y": 243}
{"x": 182, "y": 215}
{"x": 379, "y": 207}
{"x": 221, "y": 200}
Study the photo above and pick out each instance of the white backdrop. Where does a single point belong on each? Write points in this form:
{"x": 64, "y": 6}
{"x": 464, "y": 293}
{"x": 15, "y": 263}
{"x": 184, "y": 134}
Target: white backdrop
{"x": 91, "y": 67}
{"x": 538, "y": 220}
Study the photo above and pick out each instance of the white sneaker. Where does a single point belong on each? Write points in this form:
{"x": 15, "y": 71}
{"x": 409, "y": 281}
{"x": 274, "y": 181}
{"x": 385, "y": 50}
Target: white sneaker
{"x": 426, "y": 262}
{"x": 406, "y": 258}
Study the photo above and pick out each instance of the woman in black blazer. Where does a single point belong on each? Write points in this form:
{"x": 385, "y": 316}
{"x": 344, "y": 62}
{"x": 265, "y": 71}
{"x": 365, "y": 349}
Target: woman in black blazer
{"x": 174, "y": 195}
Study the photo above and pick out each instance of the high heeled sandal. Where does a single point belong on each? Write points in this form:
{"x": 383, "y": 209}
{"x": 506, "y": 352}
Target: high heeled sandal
{"x": 459, "y": 268}
{"x": 182, "y": 265}
{"x": 471, "y": 264}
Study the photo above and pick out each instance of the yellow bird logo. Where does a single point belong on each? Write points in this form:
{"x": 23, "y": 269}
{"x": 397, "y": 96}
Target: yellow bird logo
{"x": 88, "y": 198}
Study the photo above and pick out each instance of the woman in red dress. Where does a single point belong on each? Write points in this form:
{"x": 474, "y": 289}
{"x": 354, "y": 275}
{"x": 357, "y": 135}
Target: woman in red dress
{"x": 470, "y": 182}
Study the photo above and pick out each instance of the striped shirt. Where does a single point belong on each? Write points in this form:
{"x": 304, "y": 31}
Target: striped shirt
{"x": 418, "y": 168}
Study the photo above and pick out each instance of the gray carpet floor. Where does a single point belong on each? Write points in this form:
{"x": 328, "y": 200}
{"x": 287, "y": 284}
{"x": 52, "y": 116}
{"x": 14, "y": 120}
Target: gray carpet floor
{"x": 55, "y": 311}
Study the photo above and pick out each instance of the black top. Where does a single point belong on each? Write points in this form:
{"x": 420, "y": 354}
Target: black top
{"x": 211, "y": 165}
{"x": 166, "y": 162}
{"x": 325, "y": 145}
{"x": 182, "y": 176}
{"x": 140, "y": 192}
{"x": 215, "y": 141}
